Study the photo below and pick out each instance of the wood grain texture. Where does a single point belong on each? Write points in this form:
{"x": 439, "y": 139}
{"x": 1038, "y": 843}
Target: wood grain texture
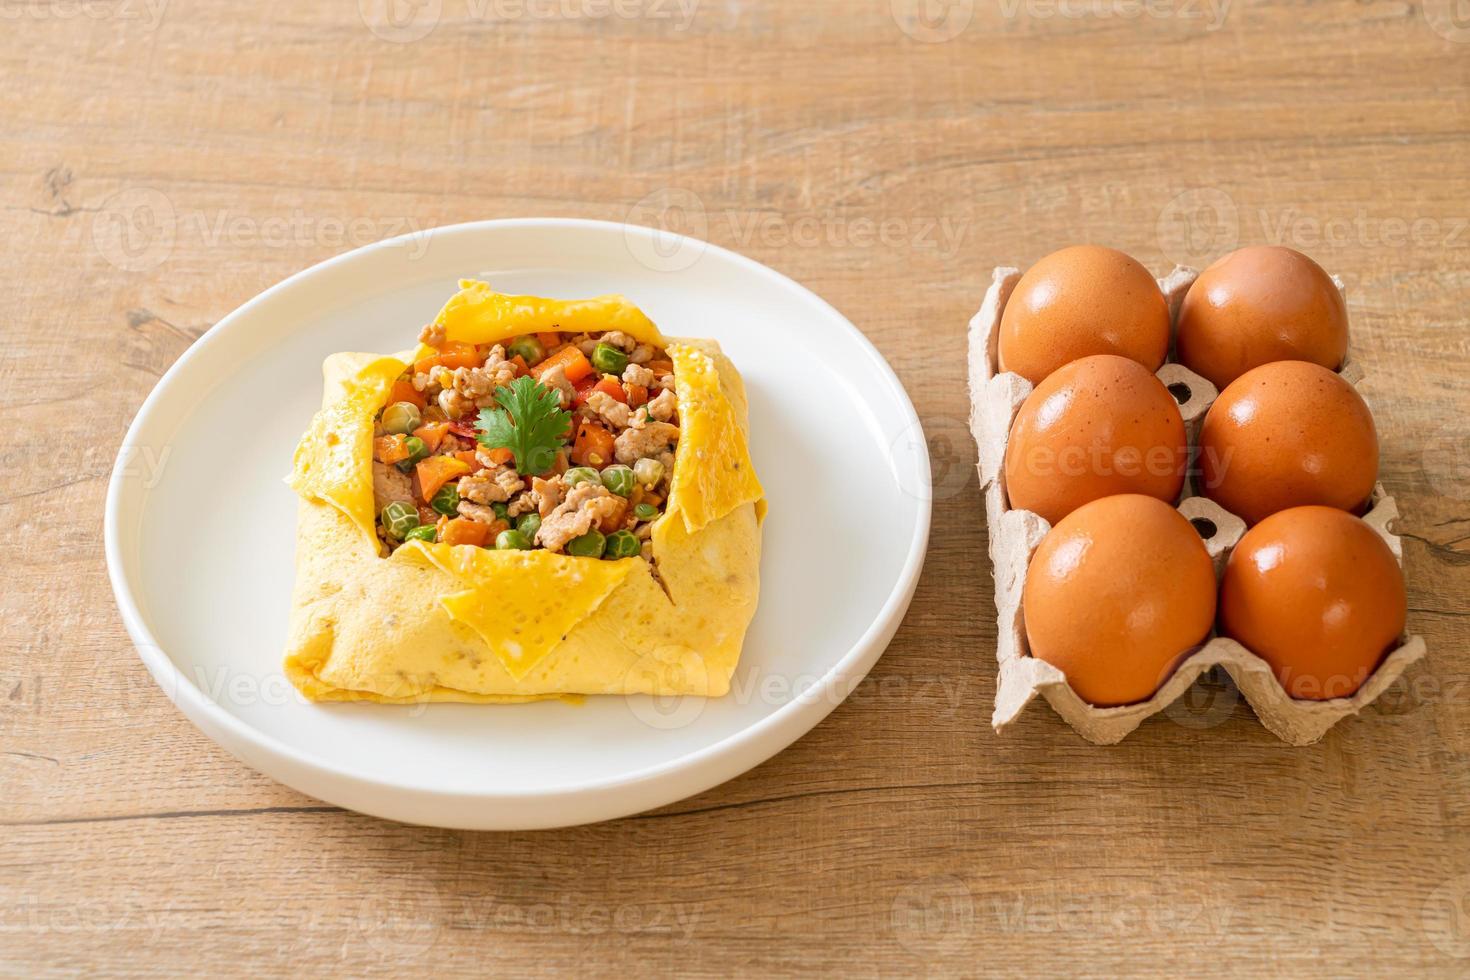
{"x": 162, "y": 163}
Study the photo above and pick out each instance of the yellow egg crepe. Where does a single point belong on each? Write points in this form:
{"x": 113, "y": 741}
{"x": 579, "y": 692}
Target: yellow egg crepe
{"x": 438, "y": 622}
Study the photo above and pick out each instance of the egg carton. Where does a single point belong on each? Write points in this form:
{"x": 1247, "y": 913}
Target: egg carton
{"x": 995, "y": 398}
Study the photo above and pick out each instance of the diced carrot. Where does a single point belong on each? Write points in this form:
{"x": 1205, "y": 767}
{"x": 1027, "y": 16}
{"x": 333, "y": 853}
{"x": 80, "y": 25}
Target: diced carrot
{"x": 660, "y": 368}
{"x": 454, "y": 354}
{"x": 497, "y": 456}
{"x": 520, "y": 363}
{"x": 457, "y": 354}
{"x": 652, "y": 499}
{"x": 390, "y": 449}
{"x": 436, "y": 471}
{"x": 404, "y": 391}
{"x": 548, "y": 340}
{"x": 432, "y": 434}
{"x": 462, "y": 530}
{"x": 594, "y": 445}
{"x": 614, "y": 520}
{"x": 470, "y": 459}
{"x": 637, "y": 395}
{"x": 572, "y": 360}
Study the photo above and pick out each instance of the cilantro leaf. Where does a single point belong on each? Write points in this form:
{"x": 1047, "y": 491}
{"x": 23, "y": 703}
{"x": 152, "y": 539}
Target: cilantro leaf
{"x": 529, "y": 422}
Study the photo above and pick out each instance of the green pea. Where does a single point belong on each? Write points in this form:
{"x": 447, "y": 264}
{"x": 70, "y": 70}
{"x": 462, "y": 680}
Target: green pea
{"x": 648, "y": 472}
{"x": 529, "y": 348}
{"x": 501, "y": 511}
{"x": 609, "y": 360}
{"x": 589, "y": 545}
{"x": 623, "y": 544}
{"x": 399, "y": 518}
{"x": 619, "y": 479}
{"x": 424, "y": 532}
{"x": 529, "y": 524}
{"x": 645, "y": 512}
{"x": 580, "y": 474}
{"x": 512, "y": 541}
{"x": 401, "y": 418}
{"x": 446, "y": 501}
{"x": 416, "y": 451}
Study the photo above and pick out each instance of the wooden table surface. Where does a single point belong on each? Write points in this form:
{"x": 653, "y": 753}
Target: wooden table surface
{"x": 162, "y": 163}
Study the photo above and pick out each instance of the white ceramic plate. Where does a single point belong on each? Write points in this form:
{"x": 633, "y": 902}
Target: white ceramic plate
{"x": 200, "y": 531}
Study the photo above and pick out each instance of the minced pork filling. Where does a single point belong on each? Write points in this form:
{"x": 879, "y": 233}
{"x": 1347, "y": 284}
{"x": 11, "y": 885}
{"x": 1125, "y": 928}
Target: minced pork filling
{"x": 552, "y": 440}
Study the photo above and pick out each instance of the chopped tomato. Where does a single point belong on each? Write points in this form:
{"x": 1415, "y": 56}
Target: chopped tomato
{"x": 594, "y": 445}
{"x": 548, "y": 340}
{"x": 436, "y": 471}
{"x": 613, "y": 387}
{"x": 464, "y": 429}
{"x": 462, "y": 530}
{"x": 432, "y": 434}
{"x": 572, "y": 361}
{"x": 607, "y": 384}
{"x": 390, "y": 449}
{"x": 637, "y": 395}
{"x": 404, "y": 391}
{"x": 428, "y": 515}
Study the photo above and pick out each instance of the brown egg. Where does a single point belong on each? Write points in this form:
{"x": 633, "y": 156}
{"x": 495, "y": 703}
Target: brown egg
{"x": 1116, "y": 595}
{"x": 1316, "y": 593}
{"x": 1095, "y": 427}
{"x": 1261, "y": 304}
{"x": 1079, "y": 301}
{"x": 1284, "y": 435}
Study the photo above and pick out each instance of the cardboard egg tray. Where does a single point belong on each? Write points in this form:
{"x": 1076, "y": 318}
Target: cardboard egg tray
{"x": 995, "y": 397}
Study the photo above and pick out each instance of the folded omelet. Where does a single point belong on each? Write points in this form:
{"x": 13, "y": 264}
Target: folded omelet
{"x": 457, "y": 622}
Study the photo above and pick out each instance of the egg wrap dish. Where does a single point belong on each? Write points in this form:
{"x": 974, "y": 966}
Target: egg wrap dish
{"x": 416, "y": 620}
